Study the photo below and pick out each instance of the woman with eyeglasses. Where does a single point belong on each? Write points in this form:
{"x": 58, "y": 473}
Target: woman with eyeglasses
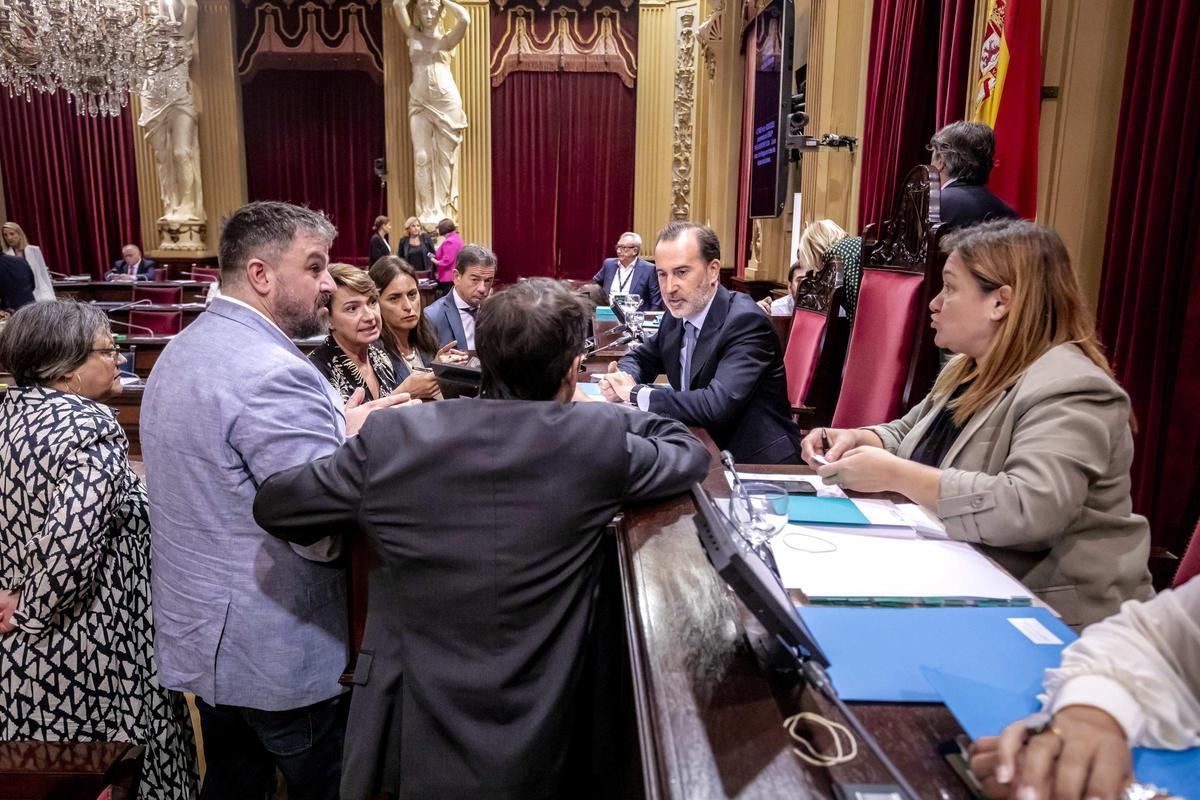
{"x": 76, "y": 632}
{"x": 1023, "y": 446}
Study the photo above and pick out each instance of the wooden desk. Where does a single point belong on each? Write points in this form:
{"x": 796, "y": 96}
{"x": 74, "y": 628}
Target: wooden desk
{"x": 709, "y": 719}
{"x": 67, "y": 770}
{"x": 119, "y": 313}
{"x": 122, "y": 291}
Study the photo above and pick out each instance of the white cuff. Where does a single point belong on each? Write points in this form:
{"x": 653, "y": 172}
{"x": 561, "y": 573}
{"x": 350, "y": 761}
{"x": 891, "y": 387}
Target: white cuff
{"x": 643, "y": 398}
{"x": 1104, "y": 693}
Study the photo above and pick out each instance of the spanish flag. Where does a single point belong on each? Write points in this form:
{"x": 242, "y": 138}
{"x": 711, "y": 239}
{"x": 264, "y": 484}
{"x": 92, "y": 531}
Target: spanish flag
{"x": 1009, "y": 98}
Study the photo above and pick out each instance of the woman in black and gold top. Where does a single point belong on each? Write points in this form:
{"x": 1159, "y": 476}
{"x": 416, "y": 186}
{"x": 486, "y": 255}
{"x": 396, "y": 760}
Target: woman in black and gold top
{"x": 351, "y": 357}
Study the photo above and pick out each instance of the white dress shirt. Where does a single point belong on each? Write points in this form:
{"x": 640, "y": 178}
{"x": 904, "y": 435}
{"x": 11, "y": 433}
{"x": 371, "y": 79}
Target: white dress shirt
{"x": 697, "y": 320}
{"x": 622, "y": 280}
{"x": 468, "y": 319}
{"x": 1141, "y": 666}
{"x": 783, "y": 306}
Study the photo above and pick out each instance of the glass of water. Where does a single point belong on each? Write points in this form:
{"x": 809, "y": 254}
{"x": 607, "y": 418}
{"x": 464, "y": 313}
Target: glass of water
{"x": 760, "y": 510}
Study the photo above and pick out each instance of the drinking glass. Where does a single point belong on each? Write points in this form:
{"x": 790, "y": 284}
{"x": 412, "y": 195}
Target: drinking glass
{"x": 760, "y": 510}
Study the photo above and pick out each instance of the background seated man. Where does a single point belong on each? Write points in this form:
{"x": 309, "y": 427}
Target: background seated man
{"x": 785, "y": 306}
{"x": 132, "y": 266}
{"x": 1133, "y": 679}
{"x": 480, "y": 612}
{"x": 629, "y": 273}
{"x": 719, "y": 352}
{"x": 453, "y": 314}
{"x": 963, "y": 154}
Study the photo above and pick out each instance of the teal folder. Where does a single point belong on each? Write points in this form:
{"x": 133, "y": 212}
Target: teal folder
{"x": 808, "y": 510}
{"x": 590, "y": 389}
{"x": 606, "y": 314}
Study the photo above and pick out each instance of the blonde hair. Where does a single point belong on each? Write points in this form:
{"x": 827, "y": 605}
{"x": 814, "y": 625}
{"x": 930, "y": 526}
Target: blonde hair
{"x": 22, "y": 239}
{"x": 355, "y": 279}
{"x": 408, "y": 223}
{"x": 816, "y": 239}
{"x": 1047, "y": 309}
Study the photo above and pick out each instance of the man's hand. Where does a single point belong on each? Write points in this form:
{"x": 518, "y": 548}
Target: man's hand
{"x": 617, "y": 385}
{"x": 357, "y": 411}
{"x": 765, "y": 305}
{"x": 1084, "y": 754}
{"x": 8, "y": 604}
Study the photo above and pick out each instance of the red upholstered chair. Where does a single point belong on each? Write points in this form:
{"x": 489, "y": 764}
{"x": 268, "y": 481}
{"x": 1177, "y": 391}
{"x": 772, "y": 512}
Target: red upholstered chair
{"x": 155, "y": 323}
{"x": 159, "y": 295}
{"x": 1190, "y": 566}
{"x": 882, "y": 342}
{"x": 209, "y": 274}
{"x": 814, "y": 310}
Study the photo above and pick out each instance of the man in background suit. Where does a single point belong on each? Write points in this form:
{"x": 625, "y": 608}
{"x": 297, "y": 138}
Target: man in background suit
{"x": 16, "y": 283}
{"x": 963, "y": 155}
{"x": 629, "y": 273}
{"x": 719, "y": 352}
{"x": 453, "y": 314}
{"x": 256, "y": 629}
{"x": 132, "y": 266}
{"x": 469, "y": 683}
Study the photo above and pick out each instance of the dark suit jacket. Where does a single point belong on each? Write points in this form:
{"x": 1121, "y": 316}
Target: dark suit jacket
{"x": 965, "y": 204}
{"x": 16, "y": 283}
{"x": 447, "y": 324}
{"x": 378, "y": 248}
{"x": 468, "y": 683}
{"x": 145, "y": 269}
{"x": 644, "y": 283}
{"x": 738, "y": 389}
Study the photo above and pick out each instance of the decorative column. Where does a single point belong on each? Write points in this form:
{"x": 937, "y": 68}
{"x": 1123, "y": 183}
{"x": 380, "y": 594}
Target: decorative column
{"x": 217, "y": 92}
{"x": 471, "y": 67}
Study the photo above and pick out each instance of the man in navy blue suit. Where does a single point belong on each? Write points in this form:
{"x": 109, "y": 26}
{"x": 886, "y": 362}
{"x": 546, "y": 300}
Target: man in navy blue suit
{"x": 629, "y": 273}
{"x": 963, "y": 154}
{"x": 453, "y": 314}
{"x": 16, "y": 283}
{"x": 132, "y": 266}
{"x": 719, "y": 352}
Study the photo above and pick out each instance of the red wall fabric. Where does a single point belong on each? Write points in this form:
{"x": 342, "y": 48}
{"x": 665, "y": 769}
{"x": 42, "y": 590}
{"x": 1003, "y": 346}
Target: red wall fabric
{"x": 1149, "y": 311}
{"x": 70, "y": 181}
{"x": 562, "y": 172}
{"x": 312, "y": 138}
{"x": 955, "y": 61}
{"x": 901, "y": 69}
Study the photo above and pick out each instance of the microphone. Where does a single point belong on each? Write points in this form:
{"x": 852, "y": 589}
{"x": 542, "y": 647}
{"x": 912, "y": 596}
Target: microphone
{"x": 60, "y": 276}
{"x": 132, "y": 327}
{"x": 124, "y": 306}
{"x": 198, "y": 276}
{"x": 592, "y": 346}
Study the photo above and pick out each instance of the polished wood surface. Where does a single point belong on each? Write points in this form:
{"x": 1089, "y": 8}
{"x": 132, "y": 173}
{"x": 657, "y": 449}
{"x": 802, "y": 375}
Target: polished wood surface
{"x": 710, "y": 719}
{"x": 119, "y": 313}
{"x": 122, "y": 291}
{"x": 68, "y": 770}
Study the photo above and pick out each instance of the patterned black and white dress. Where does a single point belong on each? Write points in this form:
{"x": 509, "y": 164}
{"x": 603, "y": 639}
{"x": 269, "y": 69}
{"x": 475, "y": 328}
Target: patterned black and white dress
{"x": 343, "y": 374}
{"x": 75, "y": 540}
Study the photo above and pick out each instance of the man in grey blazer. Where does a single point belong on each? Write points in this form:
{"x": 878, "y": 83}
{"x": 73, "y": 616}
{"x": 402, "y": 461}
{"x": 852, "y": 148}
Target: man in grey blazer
{"x": 453, "y": 314}
{"x": 471, "y": 680}
{"x": 256, "y": 629}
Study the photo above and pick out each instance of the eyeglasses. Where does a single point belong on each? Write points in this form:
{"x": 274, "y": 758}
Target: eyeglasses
{"x": 111, "y": 353}
{"x": 627, "y": 247}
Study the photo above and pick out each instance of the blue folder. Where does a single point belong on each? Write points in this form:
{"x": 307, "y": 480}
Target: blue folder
{"x": 882, "y": 654}
{"x": 606, "y": 314}
{"x": 809, "y": 510}
{"x": 590, "y": 389}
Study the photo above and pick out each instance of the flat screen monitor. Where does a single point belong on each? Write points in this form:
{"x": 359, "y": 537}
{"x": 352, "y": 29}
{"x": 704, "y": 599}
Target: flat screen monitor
{"x": 755, "y": 584}
{"x": 769, "y": 168}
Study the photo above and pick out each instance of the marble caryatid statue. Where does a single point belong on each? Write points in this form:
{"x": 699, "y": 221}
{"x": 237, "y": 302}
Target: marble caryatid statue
{"x": 169, "y": 120}
{"x": 435, "y": 109}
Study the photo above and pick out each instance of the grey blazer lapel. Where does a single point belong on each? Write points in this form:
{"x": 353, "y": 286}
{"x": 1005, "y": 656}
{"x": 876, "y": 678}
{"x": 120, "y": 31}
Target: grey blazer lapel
{"x": 972, "y": 427}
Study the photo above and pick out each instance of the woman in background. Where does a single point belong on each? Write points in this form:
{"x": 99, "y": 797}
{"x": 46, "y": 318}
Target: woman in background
{"x": 379, "y": 246}
{"x": 447, "y": 254}
{"x": 76, "y": 630}
{"x": 16, "y": 243}
{"x": 821, "y": 242}
{"x": 351, "y": 356}
{"x": 417, "y": 246}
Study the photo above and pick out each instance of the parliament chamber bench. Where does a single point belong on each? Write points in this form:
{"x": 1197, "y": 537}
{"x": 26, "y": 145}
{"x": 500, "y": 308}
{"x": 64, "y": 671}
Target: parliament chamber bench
{"x": 122, "y": 291}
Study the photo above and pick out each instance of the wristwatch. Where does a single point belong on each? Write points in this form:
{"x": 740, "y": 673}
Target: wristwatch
{"x": 633, "y": 393}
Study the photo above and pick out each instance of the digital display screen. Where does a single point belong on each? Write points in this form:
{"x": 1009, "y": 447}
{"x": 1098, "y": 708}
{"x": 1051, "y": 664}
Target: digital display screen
{"x": 772, "y": 92}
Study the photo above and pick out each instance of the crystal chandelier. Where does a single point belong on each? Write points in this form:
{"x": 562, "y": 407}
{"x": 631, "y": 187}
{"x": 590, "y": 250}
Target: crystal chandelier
{"x": 98, "y": 51}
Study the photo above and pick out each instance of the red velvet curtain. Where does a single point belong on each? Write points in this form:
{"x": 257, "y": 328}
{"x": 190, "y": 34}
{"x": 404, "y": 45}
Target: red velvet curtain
{"x": 1149, "y": 311}
{"x": 955, "y": 60}
{"x": 69, "y": 181}
{"x": 902, "y": 114}
{"x": 312, "y": 138}
{"x": 562, "y": 172}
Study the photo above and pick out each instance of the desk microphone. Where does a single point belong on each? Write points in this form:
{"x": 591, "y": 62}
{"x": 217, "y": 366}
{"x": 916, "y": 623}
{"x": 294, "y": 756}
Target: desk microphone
{"x": 135, "y": 303}
{"x": 60, "y": 276}
{"x": 591, "y": 346}
{"x": 207, "y": 276}
{"x": 132, "y": 327}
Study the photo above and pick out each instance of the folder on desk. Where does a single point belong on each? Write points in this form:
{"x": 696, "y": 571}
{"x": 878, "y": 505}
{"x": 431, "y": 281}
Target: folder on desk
{"x": 885, "y": 654}
{"x": 983, "y": 706}
{"x": 813, "y": 510}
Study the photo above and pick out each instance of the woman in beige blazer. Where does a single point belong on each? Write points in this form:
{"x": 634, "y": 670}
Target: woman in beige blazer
{"x": 1024, "y": 445}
